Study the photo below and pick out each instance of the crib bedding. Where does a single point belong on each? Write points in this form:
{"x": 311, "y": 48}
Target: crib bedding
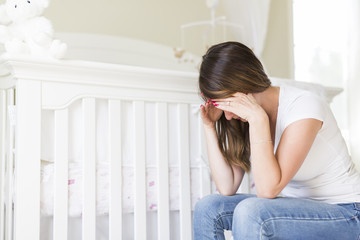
{"x": 128, "y": 147}
{"x": 75, "y": 184}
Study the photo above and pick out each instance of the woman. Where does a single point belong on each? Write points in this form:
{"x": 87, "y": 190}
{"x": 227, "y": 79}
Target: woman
{"x": 296, "y": 149}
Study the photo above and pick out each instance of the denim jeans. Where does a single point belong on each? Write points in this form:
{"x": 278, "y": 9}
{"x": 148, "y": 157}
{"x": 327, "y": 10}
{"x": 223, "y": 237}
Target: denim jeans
{"x": 252, "y": 218}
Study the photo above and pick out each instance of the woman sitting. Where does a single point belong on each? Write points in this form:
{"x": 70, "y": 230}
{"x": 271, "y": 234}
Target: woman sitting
{"x": 290, "y": 140}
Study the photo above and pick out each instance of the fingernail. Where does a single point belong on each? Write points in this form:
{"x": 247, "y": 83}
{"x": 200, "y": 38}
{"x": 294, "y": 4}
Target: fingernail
{"x": 216, "y": 105}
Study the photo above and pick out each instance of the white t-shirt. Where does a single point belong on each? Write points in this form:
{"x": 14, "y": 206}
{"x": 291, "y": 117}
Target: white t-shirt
{"x": 327, "y": 174}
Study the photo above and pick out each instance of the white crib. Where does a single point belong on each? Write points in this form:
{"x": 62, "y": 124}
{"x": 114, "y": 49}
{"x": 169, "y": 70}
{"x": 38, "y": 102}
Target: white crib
{"x": 129, "y": 82}
{"x": 36, "y": 86}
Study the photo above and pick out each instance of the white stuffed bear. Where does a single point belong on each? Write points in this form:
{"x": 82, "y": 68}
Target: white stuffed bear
{"x": 25, "y": 31}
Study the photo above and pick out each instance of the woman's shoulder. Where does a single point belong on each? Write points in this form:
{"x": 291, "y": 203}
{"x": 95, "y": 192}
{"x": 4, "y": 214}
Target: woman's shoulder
{"x": 290, "y": 95}
{"x": 296, "y": 104}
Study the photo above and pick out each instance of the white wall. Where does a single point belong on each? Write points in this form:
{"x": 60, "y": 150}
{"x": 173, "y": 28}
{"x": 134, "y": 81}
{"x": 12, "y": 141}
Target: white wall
{"x": 156, "y": 20}
{"x": 159, "y": 21}
{"x": 278, "y": 53}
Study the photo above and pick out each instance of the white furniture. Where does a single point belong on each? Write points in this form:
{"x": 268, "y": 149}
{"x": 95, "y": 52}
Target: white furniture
{"x": 45, "y": 85}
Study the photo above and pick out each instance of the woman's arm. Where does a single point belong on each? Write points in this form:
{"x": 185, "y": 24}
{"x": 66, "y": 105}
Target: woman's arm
{"x": 272, "y": 173}
{"x": 227, "y": 178}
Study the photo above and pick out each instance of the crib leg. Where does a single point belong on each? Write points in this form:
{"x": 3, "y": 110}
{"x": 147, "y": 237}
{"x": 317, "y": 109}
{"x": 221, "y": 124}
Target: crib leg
{"x": 27, "y": 165}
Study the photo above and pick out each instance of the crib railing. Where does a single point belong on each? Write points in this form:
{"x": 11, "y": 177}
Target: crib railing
{"x": 185, "y": 208}
{"x": 54, "y": 86}
{"x": 61, "y": 175}
{"x": 89, "y": 167}
{"x": 7, "y": 125}
{"x": 115, "y": 206}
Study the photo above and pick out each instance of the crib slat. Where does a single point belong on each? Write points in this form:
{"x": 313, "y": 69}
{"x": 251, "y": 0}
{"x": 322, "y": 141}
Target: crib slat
{"x": 140, "y": 174}
{"x": 10, "y": 169}
{"x": 205, "y": 180}
{"x": 61, "y": 175}
{"x": 184, "y": 162}
{"x": 245, "y": 185}
{"x": 115, "y": 208}
{"x": 28, "y": 155}
{"x": 163, "y": 174}
{"x": 3, "y": 117}
{"x": 89, "y": 171}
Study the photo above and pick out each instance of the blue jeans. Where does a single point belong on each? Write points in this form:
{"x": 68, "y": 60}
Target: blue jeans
{"x": 252, "y": 218}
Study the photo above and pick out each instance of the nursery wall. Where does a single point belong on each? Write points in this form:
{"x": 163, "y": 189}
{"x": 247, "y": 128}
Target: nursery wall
{"x": 156, "y": 21}
{"x": 159, "y": 21}
{"x": 278, "y": 54}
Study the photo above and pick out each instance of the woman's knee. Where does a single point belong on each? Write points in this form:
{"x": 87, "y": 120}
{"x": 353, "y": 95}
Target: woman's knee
{"x": 251, "y": 210}
{"x": 245, "y": 208}
{"x": 209, "y": 206}
{"x": 249, "y": 216}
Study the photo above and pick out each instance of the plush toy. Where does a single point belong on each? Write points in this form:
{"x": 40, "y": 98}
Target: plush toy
{"x": 24, "y": 31}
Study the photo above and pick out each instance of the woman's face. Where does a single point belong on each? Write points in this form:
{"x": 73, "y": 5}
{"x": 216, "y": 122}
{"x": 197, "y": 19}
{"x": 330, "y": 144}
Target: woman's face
{"x": 230, "y": 115}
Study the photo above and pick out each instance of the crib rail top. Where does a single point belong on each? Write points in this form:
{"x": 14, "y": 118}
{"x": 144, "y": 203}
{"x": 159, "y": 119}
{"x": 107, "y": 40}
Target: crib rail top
{"x": 6, "y": 79}
{"x": 26, "y": 67}
{"x": 64, "y": 81}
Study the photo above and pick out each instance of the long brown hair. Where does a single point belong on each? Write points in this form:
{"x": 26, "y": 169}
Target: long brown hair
{"x": 228, "y": 68}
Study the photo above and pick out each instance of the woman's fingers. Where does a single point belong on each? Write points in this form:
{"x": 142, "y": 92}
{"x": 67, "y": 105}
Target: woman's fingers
{"x": 225, "y": 106}
{"x": 231, "y": 104}
{"x": 207, "y": 106}
{"x": 234, "y": 98}
{"x": 223, "y": 99}
{"x": 238, "y": 104}
{"x": 224, "y": 103}
{"x": 209, "y": 112}
{"x": 237, "y": 98}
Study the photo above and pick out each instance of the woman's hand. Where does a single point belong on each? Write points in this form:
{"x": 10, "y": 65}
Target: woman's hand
{"x": 210, "y": 114}
{"x": 243, "y": 105}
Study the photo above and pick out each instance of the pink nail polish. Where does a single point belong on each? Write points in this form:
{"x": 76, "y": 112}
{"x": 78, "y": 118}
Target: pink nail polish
{"x": 216, "y": 105}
